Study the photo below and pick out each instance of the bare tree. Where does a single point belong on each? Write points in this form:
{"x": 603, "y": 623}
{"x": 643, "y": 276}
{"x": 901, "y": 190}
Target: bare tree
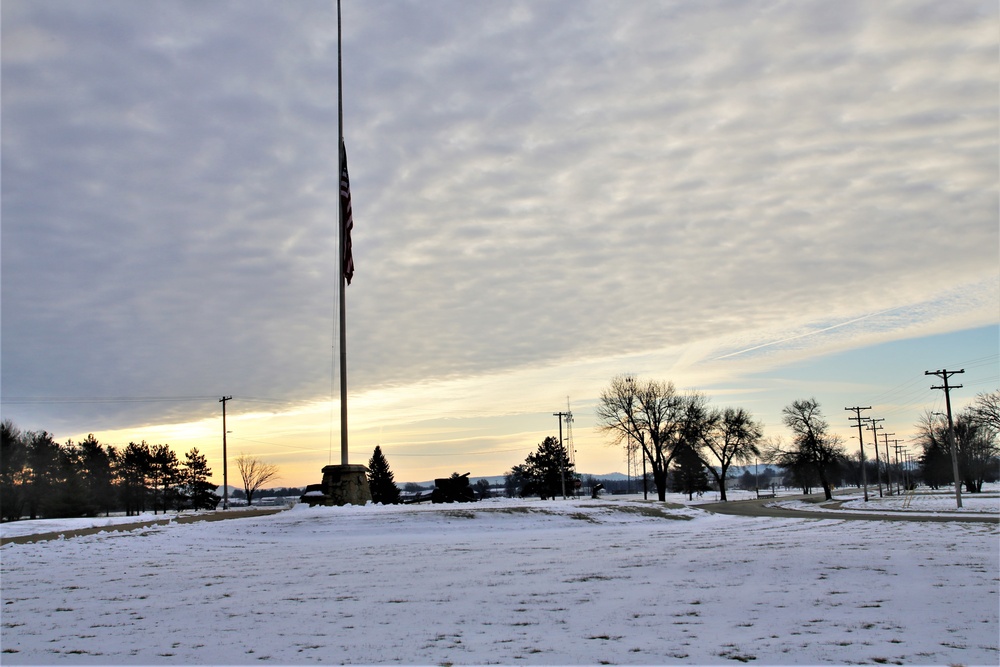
{"x": 984, "y": 417}
{"x": 731, "y": 436}
{"x": 815, "y": 450}
{"x": 255, "y": 473}
{"x": 985, "y": 410}
{"x": 975, "y": 440}
{"x": 649, "y": 413}
{"x": 977, "y": 448}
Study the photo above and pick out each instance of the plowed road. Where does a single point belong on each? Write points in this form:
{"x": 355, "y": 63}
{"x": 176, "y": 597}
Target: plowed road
{"x": 760, "y": 508}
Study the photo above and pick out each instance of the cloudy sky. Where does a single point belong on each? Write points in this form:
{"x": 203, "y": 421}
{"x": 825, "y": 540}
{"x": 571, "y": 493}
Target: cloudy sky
{"x": 751, "y": 199}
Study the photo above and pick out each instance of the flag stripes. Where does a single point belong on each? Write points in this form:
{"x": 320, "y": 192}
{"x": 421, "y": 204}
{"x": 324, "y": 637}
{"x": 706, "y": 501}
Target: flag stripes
{"x": 346, "y": 217}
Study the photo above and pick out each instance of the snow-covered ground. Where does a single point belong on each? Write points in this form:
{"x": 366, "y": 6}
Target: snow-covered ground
{"x": 616, "y": 580}
{"x": 935, "y": 502}
{"x": 40, "y": 526}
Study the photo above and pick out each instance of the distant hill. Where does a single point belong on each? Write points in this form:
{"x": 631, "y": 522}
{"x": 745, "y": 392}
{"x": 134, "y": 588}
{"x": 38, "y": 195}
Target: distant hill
{"x": 613, "y": 476}
{"x": 498, "y": 480}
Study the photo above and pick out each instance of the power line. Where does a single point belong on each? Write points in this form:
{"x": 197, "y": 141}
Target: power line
{"x": 490, "y": 451}
{"x": 24, "y": 400}
{"x": 275, "y": 444}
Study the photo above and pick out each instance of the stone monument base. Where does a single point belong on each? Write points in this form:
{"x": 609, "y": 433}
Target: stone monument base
{"x": 346, "y": 485}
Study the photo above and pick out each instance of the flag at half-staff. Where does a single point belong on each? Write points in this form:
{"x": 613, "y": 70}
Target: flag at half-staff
{"x": 346, "y": 217}
{"x": 345, "y": 483}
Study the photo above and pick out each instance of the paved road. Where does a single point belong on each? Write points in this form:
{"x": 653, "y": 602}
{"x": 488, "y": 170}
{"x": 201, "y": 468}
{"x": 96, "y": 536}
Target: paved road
{"x": 759, "y": 508}
{"x": 125, "y": 527}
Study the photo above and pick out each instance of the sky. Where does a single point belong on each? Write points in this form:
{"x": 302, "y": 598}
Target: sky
{"x": 763, "y": 201}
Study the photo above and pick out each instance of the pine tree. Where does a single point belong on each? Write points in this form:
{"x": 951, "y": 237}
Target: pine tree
{"x": 380, "y": 480}
{"x": 97, "y": 475}
{"x": 547, "y": 471}
{"x": 131, "y": 467}
{"x": 44, "y": 465}
{"x": 200, "y": 492}
{"x": 164, "y": 475}
{"x": 688, "y": 474}
{"x": 13, "y": 470}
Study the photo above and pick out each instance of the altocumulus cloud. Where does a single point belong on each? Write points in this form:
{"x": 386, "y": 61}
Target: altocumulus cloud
{"x": 534, "y": 183}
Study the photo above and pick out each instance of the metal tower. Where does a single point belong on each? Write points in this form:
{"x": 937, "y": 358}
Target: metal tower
{"x": 570, "y": 448}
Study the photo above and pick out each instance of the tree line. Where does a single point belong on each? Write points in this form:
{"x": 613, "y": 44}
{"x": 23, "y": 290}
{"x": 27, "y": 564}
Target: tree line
{"x": 41, "y": 479}
{"x": 679, "y": 433}
{"x": 681, "y": 438}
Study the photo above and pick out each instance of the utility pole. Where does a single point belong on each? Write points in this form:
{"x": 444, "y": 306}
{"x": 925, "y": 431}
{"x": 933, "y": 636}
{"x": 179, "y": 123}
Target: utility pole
{"x": 875, "y": 428}
{"x": 562, "y": 452}
{"x": 225, "y": 461}
{"x": 888, "y": 463}
{"x": 944, "y": 374}
{"x": 911, "y": 465}
{"x": 901, "y": 471}
{"x": 861, "y": 443}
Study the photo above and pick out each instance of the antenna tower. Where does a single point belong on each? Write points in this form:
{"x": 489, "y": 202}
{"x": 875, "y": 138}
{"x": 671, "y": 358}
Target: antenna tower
{"x": 570, "y": 448}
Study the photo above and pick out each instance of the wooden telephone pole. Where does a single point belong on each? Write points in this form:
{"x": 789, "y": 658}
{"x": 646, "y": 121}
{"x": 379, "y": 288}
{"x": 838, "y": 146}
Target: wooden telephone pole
{"x": 861, "y": 443}
{"x": 944, "y": 375}
{"x": 225, "y": 460}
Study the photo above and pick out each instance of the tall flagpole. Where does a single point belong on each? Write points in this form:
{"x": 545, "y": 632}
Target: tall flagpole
{"x": 343, "y": 256}
{"x": 344, "y": 484}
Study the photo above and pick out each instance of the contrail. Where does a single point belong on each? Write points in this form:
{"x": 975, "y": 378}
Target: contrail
{"x": 803, "y": 335}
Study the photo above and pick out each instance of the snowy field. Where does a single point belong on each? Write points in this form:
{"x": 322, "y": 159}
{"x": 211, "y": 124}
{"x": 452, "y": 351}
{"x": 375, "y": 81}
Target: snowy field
{"x": 936, "y": 502}
{"x": 617, "y": 581}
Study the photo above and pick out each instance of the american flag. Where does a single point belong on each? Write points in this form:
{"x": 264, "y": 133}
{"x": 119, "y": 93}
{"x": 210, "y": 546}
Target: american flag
{"x": 347, "y": 218}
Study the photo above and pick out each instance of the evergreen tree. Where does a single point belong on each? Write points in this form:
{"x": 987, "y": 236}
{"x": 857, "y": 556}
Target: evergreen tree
{"x": 935, "y": 464}
{"x": 13, "y": 471}
{"x": 482, "y": 489}
{"x": 514, "y": 482}
{"x": 547, "y": 471}
{"x": 96, "y": 474}
{"x": 688, "y": 474}
{"x": 381, "y": 483}
{"x": 131, "y": 467}
{"x": 199, "y": 492}
{"x": 70, "y": 496}
{"x": 44, "y": 464}
{"x": 165, "y": 476}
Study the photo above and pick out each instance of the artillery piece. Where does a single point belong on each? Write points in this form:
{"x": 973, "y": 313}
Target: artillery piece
{"x": 453, "y": 490}
{"x": 448, "y": 490}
